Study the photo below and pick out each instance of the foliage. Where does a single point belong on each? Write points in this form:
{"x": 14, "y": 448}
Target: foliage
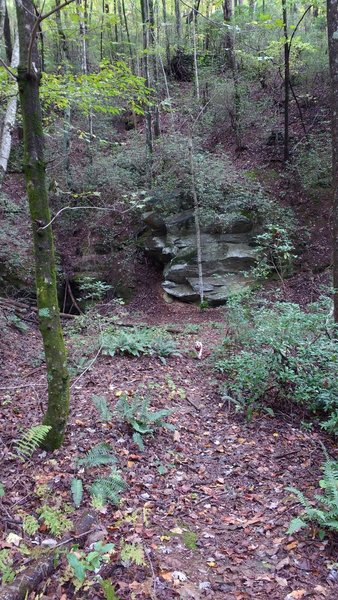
{"x": 136, "y": 341}
{"x": 54, "y": 519}
{"x": 76, "y": 487}
{"x": 92, "y": 289}
{"x": 286, "y": 349}
{"x": 30, "y": 525}
{"x": 31, "y": 440}
{"x": 108, "y": 489}
{"x": 2, "y": 489}
{"x": 132, "y": 553}
{"x": 108, "y": 90}
{"x": 101, "y": 404}
{"x": 323, "y": 512}
{"x": 101, "y": 454}
{"x": 81, "y": 562}
{"x": 313, "y": 161}
{"x": 6, "y": 571}
{"x": 223, "y": 193}
{"x": 137, "y": 413}
{"x": 108, "y": 590}
{"x": 275, "y": 253}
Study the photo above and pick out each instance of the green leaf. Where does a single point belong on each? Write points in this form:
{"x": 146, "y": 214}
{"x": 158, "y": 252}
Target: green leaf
{"x": 137, "y": 437}
{"x": 2, "y": 489}
{"x": 108, "y": 590}
{"x": 133, "y": 553}
{"x": 77, "y": 566}
{"x": 296, "y": 525}
{"x": 76, "y": 487}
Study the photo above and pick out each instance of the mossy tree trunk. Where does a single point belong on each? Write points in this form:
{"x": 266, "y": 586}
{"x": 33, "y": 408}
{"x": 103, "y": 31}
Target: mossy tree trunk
{"x": 34, "y": 166}
{"x": 332, "y": 22}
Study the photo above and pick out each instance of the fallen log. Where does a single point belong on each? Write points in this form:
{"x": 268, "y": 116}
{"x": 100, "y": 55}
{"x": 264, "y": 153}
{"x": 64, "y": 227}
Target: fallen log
{"x": 30, "y": 579}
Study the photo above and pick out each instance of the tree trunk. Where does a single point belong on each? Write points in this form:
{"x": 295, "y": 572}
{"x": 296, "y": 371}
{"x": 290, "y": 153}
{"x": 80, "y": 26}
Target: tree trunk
{"x": 36, "y": 185}
{"x": 9, "y": 121}
{"x": 166, "y": 33}
{"x": 332, "y": 22}
{"x": 178, "y": 23}
{"x": 62, "y": 44}
{"x": 132, "y": 62}
{"x": 2, "y": 17}
{"x": 148, "y": 119}
{"x": 197, "y": 223}
{"x": 286, "y": 82}
{"x": 7, "y": 37}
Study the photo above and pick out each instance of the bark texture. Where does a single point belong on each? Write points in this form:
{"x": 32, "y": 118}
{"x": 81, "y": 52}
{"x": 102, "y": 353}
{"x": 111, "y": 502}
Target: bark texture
{"x": 46, "y": 287}
{"x": 332, "y": 22}
{"x": 9, "y": 121}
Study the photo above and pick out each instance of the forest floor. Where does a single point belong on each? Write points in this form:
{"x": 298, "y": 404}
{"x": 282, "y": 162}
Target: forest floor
{"x": 208, "y": 503}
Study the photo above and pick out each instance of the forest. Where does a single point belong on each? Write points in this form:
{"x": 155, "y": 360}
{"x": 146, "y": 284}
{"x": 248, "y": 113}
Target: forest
{"x": 168, "y": 299}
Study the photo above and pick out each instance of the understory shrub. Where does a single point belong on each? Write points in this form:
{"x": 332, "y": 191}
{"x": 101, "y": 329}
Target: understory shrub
{"x": 137, "y": 341}
{"x": 323, "y": 512}
{"x": 283, "y": 349}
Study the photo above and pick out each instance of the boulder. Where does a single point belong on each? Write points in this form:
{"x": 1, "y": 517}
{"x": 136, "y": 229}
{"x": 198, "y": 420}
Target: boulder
{"x": 226, "y": 255}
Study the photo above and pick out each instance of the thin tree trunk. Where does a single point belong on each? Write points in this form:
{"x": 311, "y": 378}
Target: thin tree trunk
{"x": 166, "y": 33}
{"x": 332, "y": 22}
{"x": 197, "y": 84}
{"x": 9, "y": 121}
{"x": 152, "y": 45}
{"x": 149, "y": 135}
{"x": 7, "y": 37}
{"x": 128, "y": 35}
{"x": 197, "y": 222}
{"x": 286, "y": 82}
{"x": 62, "y": 40}
{"x": 178, "y": 23}
{"x": 46, "y": 287}
{"x": 2, "y": 17}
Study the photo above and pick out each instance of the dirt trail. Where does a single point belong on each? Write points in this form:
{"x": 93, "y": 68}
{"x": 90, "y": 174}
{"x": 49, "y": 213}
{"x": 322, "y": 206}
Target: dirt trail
{"x": 208, "y": 502}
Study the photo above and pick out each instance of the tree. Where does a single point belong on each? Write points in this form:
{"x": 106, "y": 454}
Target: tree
{"x": 332, "y": 27}
{"x": 29, "y": 75}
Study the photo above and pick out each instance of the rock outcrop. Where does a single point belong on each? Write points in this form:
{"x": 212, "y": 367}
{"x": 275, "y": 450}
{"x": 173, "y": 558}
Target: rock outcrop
{"x": 225, "y": 256}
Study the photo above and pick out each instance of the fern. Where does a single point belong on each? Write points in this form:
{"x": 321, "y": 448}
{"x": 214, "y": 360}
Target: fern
{"x": 31, "y": 440}
{"x": 325, "y": 512}
{"x": 141, "y": 418}
{"x": 132, "y": 553}
{"x": 108, "y": 489}
{"x": 29, "y": 524}
{"x": 54, "y": 519}
{"x": 108, "y": 590}
{"x": 101, "y": 404}
{"x": 98, "y": 455}
{"x": 76, "y": 487}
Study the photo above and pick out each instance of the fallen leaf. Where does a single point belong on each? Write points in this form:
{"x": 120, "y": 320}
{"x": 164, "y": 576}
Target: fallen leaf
{"x": 283, "y": 563}
{"x": 13, "y": 539}
{"x": 295, "y": 595}
{"x": 281, "y": 581}
{"x": 292, "y": 546}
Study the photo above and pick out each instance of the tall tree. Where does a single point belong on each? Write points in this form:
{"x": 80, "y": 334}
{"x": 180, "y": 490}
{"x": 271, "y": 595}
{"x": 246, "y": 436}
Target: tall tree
{"x": 332, "y": 27}
{"x": 9, "y": 120}
{"x": 29, "y": 75}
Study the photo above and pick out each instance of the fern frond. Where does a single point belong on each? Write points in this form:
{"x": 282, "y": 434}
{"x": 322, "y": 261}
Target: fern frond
{"x": 101, "y": 404}
{"x": 132, "y": 553}
{"x": 138, "y": 440}
{"x": 98, "y": 455}
{"x": 76, "y": 487}
{"x": 31, "y": 440}
{"x": 296, "y": 525}
{"x": 108, "y": 489}
{"x": 108, "y": 590}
